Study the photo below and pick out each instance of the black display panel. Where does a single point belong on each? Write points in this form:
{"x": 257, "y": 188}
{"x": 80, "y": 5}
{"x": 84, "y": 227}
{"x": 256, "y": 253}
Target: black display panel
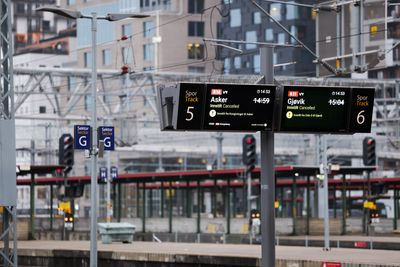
{"x": 191, "y": 106}
{"x": 362, "y": 103}
{"x": 315, "y": 109}
{"x": 239, "y": 107}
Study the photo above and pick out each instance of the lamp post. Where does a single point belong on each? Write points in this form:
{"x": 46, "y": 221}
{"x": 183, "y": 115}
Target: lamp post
{"x": 73, "y": 14}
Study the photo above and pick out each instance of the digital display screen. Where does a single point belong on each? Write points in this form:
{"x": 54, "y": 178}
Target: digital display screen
{"x": 315, "y": 109}
{"x": 238, "y": 107}
{"x": 362, "y": 103}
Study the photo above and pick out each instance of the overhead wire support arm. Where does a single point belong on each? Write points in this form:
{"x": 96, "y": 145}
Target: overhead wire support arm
{"x": 317, "y": 58}
{"x": 247, "y": 42}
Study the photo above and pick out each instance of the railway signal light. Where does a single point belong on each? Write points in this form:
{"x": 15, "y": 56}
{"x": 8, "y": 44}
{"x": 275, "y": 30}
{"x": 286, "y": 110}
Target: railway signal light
{"x": 68, "y": 221}
{"x": 255, "y": 219}
{"x": 249, "y": 152}
{"x": 373, "y": 216}
{"x": 66, "y": 152}
{"x": 369, "y": 155}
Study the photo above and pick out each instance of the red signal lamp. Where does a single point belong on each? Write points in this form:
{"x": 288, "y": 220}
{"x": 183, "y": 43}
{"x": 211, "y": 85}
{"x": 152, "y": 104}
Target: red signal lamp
{"x": 124, "y": 69}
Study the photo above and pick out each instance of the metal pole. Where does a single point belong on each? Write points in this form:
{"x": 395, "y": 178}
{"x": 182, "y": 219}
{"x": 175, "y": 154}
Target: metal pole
{"x": 32, "y": 196}
{"x": 317, "y": 66}
{"x": 162, "y": 199}
{"x": 93, "y": 180}
{"x": 188, "y": 200}
{"x": 326, "y": 195}
{"x": 144, "y": 207}
{"x": 198, "y": 206}
{"x": 138, "y": 200}
{"x": 219, "y": 138}
{"x": 396, "y": 208}
{"x": 294, "y": 205}
{"x": 214, "y": 199}
{"x": 344, "y": 208}
{"x": 334, "y": 202}
{"x": 170, "y": 208}
{"x": 6, "y": 246}
{"x": 51, "y": 208}
{"x": 248, "y": 193}
{"x": 267, "y": 173}
{"x": 109, "y": 205}
{"x": 308, "y": 206}
{"x": 228, "y": 207}
{"x": 119, "y": 200}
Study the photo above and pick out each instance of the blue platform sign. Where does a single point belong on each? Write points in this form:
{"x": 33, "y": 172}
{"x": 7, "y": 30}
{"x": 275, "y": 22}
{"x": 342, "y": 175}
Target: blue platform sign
{"x": 82, "y": 137}
{"x": 103, "y": 174}
{"x": 106, "y": 134}
{"x": 114, "y": 173}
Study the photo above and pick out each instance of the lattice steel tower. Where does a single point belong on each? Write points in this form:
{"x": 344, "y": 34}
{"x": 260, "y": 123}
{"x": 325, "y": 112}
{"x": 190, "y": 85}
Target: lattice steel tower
{"x": 8, "y": 187}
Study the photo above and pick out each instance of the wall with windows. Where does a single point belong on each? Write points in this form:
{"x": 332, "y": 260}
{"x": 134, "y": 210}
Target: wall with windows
{"x": 247, "y": 22}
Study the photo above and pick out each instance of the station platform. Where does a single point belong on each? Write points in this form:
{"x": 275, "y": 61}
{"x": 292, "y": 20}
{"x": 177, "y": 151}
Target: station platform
{"x": 76, "y": 253}
{"x": 344, "y": 241}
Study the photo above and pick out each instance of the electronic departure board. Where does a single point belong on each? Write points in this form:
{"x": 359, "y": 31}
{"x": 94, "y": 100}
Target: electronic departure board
{"x": 238, "y": 107}
{"x": 250, "y": 108}
{"x": 314, "y": 109}
{"x": 326, "y": 109}
{"x": 219, "y": 107}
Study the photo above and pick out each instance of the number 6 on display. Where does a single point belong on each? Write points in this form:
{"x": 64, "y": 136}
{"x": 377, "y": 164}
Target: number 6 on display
{"x": 360, "y": 117}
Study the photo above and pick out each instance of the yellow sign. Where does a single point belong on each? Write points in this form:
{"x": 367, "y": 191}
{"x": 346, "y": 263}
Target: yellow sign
{"x": 276, "y": 204}
{"x": 373, "y": 30}
{"x": 64, "y": 206}
{"x": 370, "y": 205}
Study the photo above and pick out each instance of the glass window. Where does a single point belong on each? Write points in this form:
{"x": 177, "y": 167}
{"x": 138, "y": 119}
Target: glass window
{"x": 71, "y": 2}
{"x": 106, "y": 56}
{"x": 251, "y": 36}
{"x": 281, "y": 38}
{"x": 237, "y": 62}
{"x": 88, "y": 102}
{"x": 256, "y": 18}
{"x": 256, "y": 63}
{"x": 148, "y": 29}
{"x": 196, "y": 28}
{"x": 269, "y": 35}
{"x": 275, "y": 11}
{"x": 235, "y": 17}
{"x": 20, "y": 8}
{"x": 293, "y": 31}
{"x": 87, "y": 59}
{"x": 127, "y": 30}
{"x": 127, "y": 56}
{"x": 292, "y": 12}
{"x": 148, "y": 51}
{"x": 196, "y": 6}
{"x": 195, "y": 51}
{"x": 227, "y": 65}
{"x": 45, "y": 25}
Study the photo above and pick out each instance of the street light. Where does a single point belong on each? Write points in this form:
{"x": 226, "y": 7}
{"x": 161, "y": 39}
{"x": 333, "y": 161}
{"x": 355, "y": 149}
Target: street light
{"x": 73, "y": 14}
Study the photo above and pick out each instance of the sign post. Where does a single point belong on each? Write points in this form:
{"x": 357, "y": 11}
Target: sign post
{"x": 82, "y": 138}
{"x": 267, "y": 179}
{"x": 106, "y": 134}
{"x": 251, "y": 108}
